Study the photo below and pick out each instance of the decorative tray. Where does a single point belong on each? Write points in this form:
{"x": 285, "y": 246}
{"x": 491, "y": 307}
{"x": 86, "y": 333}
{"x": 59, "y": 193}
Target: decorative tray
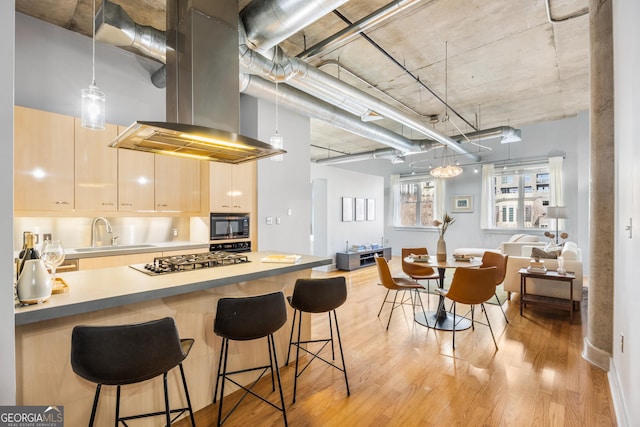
{"x": 59, "y": 286}
{"x": 420, "y": 258}
{"x": 467, "y": 258}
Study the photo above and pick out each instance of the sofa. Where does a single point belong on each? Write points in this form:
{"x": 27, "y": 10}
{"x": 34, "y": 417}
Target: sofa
{"x": 512, "y": 247}
{"x": 572, "y": 262}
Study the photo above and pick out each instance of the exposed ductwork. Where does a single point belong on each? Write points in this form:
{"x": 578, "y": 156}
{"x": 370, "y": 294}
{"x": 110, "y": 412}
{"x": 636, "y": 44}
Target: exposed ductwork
{"x": 369, "y": 21}
{"x": 309, "y": 79}
{"x": 505, "y": 133}
{"x": 307, "y": 104}
{"x": 115, "y": 27}
{"x": 270, "y": 22}
{"x": 323, "y": 88}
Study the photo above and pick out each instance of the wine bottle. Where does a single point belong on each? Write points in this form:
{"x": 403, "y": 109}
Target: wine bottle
{"x": 30, "y": 252}
{"x": 24, "y": 244}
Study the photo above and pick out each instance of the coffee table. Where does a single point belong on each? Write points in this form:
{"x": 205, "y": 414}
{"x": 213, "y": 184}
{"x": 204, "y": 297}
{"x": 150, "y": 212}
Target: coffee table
{"x": 441, "y": 319}
{"x": 553, "y": 302}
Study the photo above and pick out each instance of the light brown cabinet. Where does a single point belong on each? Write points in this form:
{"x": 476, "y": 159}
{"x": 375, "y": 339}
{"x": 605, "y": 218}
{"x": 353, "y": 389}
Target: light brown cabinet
{"x": 43, "y": 161}
{"x": 136, "y": 181}
{"x": 96, "y": 169}
{"x": 177, "y": 184}
{"x": 232, "y": 187}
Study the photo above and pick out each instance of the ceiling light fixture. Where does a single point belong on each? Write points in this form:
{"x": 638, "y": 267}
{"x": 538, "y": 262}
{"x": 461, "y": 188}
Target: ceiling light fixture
{"x": 446, "y": 169}
{"x": 93, "y": 100}
{"x": 276, "y": 140}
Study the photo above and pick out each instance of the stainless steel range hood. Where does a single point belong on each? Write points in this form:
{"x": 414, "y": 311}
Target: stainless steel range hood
{"x": 202, "y": 92}
{"x": 193, "y": 141}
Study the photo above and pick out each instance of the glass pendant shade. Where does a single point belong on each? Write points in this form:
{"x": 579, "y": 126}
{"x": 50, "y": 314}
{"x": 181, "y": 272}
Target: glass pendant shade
{"x": 448, "y": 171}
{"x": 93, "y": 108}
{"x": 277, "y": 141}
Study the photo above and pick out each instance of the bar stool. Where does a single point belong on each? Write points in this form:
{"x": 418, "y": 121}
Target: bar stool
{"x": 317, "y": 296}
{"x": 244, "y": 319}
{"x": 128, "y": 354}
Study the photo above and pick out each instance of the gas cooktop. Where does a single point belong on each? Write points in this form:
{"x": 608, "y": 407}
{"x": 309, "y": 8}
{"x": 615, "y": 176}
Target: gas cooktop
{"x": 178, "y": 263}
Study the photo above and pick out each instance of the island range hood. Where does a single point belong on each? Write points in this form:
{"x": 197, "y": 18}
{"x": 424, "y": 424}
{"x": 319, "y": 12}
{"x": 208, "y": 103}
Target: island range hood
{"x": 202, "y": 91}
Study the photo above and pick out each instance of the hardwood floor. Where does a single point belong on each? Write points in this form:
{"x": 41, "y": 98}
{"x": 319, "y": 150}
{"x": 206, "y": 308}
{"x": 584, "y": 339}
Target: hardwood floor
{"x": 409, "y": 375}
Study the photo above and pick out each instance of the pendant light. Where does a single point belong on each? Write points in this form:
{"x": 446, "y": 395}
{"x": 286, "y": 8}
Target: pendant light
{"x": 446, "y": 169}
{"x": 93, "y": 100}
{"x": 276, "y": 139}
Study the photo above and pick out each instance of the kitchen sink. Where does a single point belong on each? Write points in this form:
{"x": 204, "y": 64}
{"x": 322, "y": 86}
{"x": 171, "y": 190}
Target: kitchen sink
{"x": 114, "y": 248}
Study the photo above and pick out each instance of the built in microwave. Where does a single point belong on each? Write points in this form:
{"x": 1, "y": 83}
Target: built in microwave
{"x": 229, "y": 226}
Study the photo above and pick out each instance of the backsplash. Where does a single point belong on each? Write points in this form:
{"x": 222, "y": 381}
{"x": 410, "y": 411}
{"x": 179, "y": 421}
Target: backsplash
{"x": 75, "y": 232}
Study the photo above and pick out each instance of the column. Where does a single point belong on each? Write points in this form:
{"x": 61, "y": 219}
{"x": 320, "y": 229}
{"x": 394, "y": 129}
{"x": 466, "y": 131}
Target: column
{"x": 598, "y": 342}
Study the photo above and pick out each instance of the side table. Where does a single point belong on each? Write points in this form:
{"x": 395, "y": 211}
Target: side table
{"x": 559, "y": 303}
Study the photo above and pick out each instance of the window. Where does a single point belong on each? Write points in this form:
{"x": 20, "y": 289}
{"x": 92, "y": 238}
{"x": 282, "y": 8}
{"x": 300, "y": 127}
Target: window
{"x": 520, "y": 197}
{"x": 416, "y": 203}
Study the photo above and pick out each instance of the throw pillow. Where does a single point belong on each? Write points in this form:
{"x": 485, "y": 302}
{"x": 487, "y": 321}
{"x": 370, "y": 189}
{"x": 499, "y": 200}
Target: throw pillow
{"x": 540, "y": 253}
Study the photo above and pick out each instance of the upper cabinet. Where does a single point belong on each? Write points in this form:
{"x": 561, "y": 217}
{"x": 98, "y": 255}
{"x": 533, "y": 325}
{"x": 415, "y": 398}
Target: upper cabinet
{"x": 96, "y": 169}
{"x": 135, "y": 180}
{"x": 60, "y": 166}
{"x": 43, "y": 161}
{"x": 177, "y": 184}
{"x": 232, "y": 187}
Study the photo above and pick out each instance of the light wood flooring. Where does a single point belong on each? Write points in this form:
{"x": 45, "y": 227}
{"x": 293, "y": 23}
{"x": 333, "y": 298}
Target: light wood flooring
{"x": 410, "y": 376}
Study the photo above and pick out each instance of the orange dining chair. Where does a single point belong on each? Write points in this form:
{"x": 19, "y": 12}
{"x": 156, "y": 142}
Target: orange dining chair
{"x": 416, "y": 271}
{"x": 494, "y": 259}
{"x": 396, "y": 284}
{"x": 471, "y": 286}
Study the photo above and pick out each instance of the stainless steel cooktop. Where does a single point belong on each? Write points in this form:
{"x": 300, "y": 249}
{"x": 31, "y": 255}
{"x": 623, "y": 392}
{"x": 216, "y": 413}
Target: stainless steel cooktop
{"x": 190, "y": 262}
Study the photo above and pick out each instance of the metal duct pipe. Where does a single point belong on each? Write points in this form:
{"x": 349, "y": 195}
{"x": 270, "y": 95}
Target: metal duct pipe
{"x": 309, "y": 79}
{"x": 369, "y": 21}
{"x": 506, "y": 133}
{"x": 307, "y": 104}
{"x": 115, "y": 27}
{"x": 270, "y": 22}
{"x": 382, "y": 153}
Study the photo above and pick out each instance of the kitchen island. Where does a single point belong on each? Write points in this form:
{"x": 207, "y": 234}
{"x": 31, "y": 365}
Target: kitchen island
{"x": 123, "y": 295}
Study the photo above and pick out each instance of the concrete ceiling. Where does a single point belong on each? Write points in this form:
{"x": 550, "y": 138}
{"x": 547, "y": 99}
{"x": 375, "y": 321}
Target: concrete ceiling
{"x": 495, "y": 62}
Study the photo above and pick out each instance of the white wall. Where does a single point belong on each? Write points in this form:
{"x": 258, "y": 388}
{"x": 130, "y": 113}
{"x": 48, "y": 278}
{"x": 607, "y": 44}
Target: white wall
{"x": 7, "y": 324}
{"x": 284, "y": 187}
{"x": 343, "y": 183}
{"x": 624, "y": 374}
{"x": 53, "y": 65}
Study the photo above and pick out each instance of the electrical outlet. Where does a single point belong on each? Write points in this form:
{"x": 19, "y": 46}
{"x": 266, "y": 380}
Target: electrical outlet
{"x": 175, "y": 232}
{"x": 269, "y": 220}
{"x": 277, "y": 220}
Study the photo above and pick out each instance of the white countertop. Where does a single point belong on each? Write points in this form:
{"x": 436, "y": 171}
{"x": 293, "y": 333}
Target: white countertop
{"x": 92, "y": 290}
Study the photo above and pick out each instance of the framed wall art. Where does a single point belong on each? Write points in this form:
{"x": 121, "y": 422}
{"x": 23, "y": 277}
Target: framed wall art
{"x": 371, "y": 209}
{"x": 347, "y": 209}
{"x": 462, "y": 204}
{"x": 360, "y": 209}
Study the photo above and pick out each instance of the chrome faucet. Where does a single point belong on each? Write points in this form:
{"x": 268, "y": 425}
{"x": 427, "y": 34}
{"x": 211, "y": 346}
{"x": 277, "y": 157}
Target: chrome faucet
{"x": 108, "y": 228}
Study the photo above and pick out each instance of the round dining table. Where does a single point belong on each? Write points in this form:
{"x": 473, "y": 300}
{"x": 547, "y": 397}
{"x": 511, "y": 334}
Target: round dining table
{"x": 441, "y": 319}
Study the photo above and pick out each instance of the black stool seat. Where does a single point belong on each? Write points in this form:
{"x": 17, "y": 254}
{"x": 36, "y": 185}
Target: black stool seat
{"x": 243, "y": 319}
{"x": 317, "y": 296}
{"x": 127, "y": 354}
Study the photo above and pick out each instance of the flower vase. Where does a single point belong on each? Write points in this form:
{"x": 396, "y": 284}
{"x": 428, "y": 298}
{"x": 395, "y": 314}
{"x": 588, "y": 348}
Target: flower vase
{"x": 34, "y": 283}
{"x": 441, "y": 253}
